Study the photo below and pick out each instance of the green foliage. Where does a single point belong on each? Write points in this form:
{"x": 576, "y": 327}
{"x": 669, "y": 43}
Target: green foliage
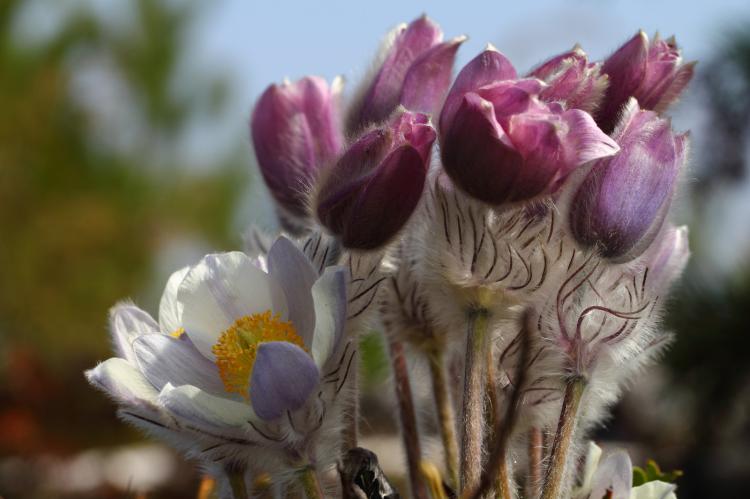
{"x": 652, "y": 473}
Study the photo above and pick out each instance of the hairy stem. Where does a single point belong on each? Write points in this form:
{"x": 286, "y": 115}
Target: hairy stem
{"x": 409, "y": 430}
{"x": 237, "y": 484}
{"x": 446, "y": 417}
{"x": 496, "y": 473}
{"x": 555, "y": 475}
{"x": 351, "y": 414}
{"x": 473, "y": 403}
{"x": 534, "y": 480}
{"x": 310, "y": 484}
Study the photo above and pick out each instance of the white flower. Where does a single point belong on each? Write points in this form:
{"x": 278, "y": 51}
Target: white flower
{"x": 241, "y": 356}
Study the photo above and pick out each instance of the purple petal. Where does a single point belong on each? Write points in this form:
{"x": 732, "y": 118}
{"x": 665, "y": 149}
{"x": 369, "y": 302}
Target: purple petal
{"x": 548, "y": 68}
{"x": 584, "y": 141}
{"x": 384, "y": 93}
{"x": 488, "y": 67}
{"x": 667, "y": 258}
{"x": 291, "y": 269}
{"x": 126, "y": 323}
{"x": 163, "y": 359}
{"x": 427, "y": 80}
{"x": 626, "y": 69}
{"x": 477, "y": 154}
{"x": 283, "y": 378}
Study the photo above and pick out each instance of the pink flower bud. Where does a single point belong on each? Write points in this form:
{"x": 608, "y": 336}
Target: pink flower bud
{"x": 371, "y": 192}
{"x": 415, "y": 73}
{"x": 621, "y": 205}
{"x": 653, "y": 73}
{"x": 500, "y": 143}
{"x": 295, "y": 131}
{"x": 572, "y": 80}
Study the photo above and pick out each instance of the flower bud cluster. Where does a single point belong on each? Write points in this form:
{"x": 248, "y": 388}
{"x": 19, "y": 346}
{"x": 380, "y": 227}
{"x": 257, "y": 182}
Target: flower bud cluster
{"x": 514, "y": 230}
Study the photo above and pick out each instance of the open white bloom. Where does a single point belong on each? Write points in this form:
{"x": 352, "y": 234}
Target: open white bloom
{"x": 246, "y": 353}
{"x": 614, "y": 476}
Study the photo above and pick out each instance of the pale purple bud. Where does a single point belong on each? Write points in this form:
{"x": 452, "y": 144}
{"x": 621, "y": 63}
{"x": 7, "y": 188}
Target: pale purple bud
{"x": 572, "y": 80}
{"x": 667, "y": 257}
{"x": 502, "y": 144}
{"x": 371, "y": 192}
{"x": 652, "y": 73}
{"x": 621, "y": 205}
{"x": 415, "y": 73}
{"x": 282, "y": 380}
{"x": 295, "y": 131}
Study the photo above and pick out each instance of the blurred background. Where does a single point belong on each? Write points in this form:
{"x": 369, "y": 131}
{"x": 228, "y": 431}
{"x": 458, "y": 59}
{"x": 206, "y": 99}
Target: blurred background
{"x": 124, "y": 155}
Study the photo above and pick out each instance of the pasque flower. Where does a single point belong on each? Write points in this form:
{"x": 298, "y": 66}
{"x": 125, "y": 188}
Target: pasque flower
{"x": 370, "y": 193}
{"x": 415, "y": 72}
{"x": 239, "y": 344}
{"x": 652, "y": 72}
{"x": 621, "y": 204}
{"x": 295, "y": 129}
{"x": 501, "y": 143}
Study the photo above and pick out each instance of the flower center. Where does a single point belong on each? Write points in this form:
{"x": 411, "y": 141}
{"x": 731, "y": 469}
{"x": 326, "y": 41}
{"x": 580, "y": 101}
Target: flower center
{"x": 237, "y": 346}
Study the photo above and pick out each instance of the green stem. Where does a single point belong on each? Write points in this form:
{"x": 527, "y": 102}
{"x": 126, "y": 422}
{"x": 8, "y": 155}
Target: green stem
{"x": 446, "y": 417}
{"x": 310, "y": 484}
{"x": 554, "y": 478}
{"x": 473, "y": 403}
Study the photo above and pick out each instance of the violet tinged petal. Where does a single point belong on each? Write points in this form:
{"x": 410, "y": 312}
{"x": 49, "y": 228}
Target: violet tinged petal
{"x": 676, "y": 86}
{"x": 383, "y": 95}
{"x": 205, "y": 411}
{"x": 123, "y": 382}
{"x": 386, "y": 202}
{"x": 513, "y": 97}
{"x": 615, "y": 474}
{"x": 488, "y": 67}
{"x": 428, "y": 79}
{"x": 170, "y": 310}
{"x": 126, "y": 323}
{"x": 291, "y": 269}
{"x": 163, "y": 359}
{"x": 283, "y": 378}
{"x": 583, "y": 141}
{"x": 626, "y": 69}
{"x": 667, "y": 257}
{"x": 477, "y": 154}
{"x": 220, "y": 289}
{"x": 329, "y": 294}
{"x": 553, "y": 65}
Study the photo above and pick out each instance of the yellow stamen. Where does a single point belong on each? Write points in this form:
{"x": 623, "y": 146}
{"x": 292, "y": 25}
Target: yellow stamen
{"x": 177, "y": 333}
{"x": 237, "y": 346}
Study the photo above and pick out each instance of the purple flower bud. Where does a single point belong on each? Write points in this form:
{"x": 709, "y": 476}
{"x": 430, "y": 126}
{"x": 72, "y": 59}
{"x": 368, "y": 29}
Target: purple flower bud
{"x": 622, "y": 203}
{"x": 295, "y": 131}
{"x": 370, "y": 193}
{"x": 667, "y": 257}
{"x": 652, "y": 73}
{"x": 572, "y": 80}
{"x": 500, "y": 143}
{"x": 415, "y": 73}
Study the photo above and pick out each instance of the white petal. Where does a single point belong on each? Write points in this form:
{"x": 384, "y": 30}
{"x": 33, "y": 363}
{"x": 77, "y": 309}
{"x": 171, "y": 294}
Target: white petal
{"x": 123, "y": 381}
{"x": 170, "y": 310}
{"x": 616, "y": 474}
{"x": 329, "y": 295}
{"x": 193, "y": 404}
{"x": 219, "y": 290}
{"x": 163, "y": 359}
{"x": 654, "y": 490}
{"x": 126, "y": 323}
{"x": 593, "y": 455}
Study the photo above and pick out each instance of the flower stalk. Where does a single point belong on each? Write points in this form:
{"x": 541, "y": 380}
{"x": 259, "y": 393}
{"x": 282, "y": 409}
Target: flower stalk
{"x": 554, "y": 477}
{"x": 237, "y": 484}
{"x": 308, "y": 479}
{"x": 473, "y": 399}
{"x": 409, "y": 430}
{"x": 445, "y": 414}
{"x": 533, "y": 481}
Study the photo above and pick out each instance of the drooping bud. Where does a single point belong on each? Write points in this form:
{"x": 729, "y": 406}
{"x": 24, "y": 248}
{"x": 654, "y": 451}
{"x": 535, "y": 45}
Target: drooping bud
{"x": 572, "y": 80}
{"x": 622, "y": 203}
{"x": 653, "y": 73}
{"x": 295, "y": 130}
{"x": 500, "y": 143}
{"x": 371, "y": 192}
{"x": 415, "y": 73}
